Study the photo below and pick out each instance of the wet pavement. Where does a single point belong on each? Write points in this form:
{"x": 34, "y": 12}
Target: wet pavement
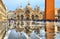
{"x": 12, "y": 34}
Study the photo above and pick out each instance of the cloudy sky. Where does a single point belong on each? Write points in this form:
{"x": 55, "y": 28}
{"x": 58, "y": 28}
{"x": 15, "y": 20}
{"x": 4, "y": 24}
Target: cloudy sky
{"x": 13, "y": 4}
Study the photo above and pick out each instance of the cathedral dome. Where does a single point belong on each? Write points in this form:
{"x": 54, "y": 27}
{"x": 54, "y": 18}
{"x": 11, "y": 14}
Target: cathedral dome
{"x": 28, "y": 6}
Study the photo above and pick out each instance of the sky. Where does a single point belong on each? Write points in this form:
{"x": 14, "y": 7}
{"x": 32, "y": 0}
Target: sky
{"x": 13, "y": 4}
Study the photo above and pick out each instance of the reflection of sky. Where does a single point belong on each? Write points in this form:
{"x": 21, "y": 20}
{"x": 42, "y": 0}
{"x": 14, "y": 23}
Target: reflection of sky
{"x": 12, "y": 34}
{"x": 13, "y": 4}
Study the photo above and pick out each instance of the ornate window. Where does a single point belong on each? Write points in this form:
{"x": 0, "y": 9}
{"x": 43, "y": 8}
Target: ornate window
{"x": 27, "y": 11}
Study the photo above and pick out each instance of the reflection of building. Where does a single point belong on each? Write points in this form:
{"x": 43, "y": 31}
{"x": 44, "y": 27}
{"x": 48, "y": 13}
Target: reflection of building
{"x": 3, "y": 14}
{"x": 57, "y": 26}
{"x": 57, "y": 17}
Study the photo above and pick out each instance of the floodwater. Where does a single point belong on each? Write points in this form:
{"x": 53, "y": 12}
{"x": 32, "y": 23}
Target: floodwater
{"x": 12, "y": 34}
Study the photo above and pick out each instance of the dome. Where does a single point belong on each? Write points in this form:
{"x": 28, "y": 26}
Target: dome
{"x": 29, "y": 6}
{"x": 20, "y": 9}
{"x": 37, "y": 7}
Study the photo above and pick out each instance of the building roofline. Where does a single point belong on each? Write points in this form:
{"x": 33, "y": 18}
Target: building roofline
{"x": 3, "y": 4}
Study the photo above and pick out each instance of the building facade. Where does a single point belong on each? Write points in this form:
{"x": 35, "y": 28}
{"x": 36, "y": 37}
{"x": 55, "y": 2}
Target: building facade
{"x": 57, "y": 17}
{"x": 57, "y": 13}
{"x": 11, "y": 19}
{"x": 28, "y": 14}
{"x": 3, "y": 14}
{"x": 3, "y": 18}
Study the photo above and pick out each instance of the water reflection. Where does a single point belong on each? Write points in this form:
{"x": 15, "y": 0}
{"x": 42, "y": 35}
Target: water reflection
{"x": 16, "y": 35}
{"x": 22, "y": 35}
{"x": 12, "y": 34}
{"x": 57, "y": 36}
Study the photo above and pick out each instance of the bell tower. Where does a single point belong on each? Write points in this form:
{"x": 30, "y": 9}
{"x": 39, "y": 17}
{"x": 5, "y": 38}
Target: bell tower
{"x": 49, "y": 9}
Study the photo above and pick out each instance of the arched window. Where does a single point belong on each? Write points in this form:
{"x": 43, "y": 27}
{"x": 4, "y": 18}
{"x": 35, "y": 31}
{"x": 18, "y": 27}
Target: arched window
{"x": 28, "y": 17}
{"x": 27, "y": 11}
{"x": 18, "y": 17}
{"x": 32, "y": 17}
{"x": 36, "y": 16}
